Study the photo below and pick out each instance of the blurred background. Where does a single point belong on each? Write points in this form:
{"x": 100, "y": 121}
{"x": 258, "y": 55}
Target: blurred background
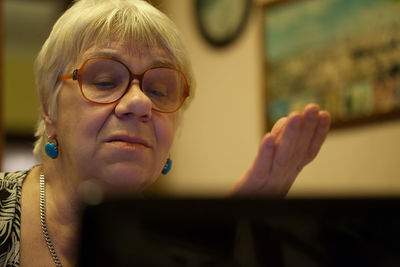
{"x": 228, "y": 116}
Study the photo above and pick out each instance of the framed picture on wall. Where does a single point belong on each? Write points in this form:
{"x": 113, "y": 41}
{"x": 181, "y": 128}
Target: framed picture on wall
{"x": 343, "y": 55}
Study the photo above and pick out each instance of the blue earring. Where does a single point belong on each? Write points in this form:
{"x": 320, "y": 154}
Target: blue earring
{"x": 51, "y": 148}
{"x": 167, "y": 166}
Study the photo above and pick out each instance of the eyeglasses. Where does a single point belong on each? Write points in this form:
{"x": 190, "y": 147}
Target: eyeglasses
{"x": 105, "y": 80}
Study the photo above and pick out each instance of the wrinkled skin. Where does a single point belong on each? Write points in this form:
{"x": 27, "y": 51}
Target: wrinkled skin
{"x": 293, "y": 142}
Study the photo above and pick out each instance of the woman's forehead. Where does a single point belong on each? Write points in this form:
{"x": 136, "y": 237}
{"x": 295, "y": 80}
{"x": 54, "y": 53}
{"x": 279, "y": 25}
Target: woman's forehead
{"x": 135, "y": 56}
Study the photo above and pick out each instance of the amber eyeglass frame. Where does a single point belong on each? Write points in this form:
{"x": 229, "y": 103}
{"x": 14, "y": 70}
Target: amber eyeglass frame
{"x": 77, "y": 74}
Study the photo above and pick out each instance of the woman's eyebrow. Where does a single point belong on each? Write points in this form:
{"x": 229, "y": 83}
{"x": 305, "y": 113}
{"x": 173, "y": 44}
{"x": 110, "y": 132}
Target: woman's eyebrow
{"x": 156, "y": 62}
{"x": 108, "y": 54}
{"x": 162, "y": 62}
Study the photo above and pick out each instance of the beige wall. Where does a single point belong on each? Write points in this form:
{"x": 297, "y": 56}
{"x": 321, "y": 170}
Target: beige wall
{"x": 222, "y": 128}
{"x": 26, "y": 27}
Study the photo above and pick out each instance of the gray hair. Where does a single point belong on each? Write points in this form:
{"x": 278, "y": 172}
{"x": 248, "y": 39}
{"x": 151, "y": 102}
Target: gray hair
{"x": 90, "y": 22}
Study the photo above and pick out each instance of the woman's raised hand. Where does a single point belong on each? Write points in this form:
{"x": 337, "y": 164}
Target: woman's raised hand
{"x": 293, "y": 142}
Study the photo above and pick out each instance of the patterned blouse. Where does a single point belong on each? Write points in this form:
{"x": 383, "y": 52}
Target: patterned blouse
{"x": 10, "y": 217}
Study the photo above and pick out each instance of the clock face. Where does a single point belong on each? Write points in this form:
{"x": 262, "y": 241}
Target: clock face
{"x": 221, "y": 21}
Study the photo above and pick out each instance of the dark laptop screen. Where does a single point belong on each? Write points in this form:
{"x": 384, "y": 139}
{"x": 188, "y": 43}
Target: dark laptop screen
{"x": 242, "y": 232}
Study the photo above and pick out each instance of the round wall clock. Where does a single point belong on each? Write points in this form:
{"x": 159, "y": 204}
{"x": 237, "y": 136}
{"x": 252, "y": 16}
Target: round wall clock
{"x": 222, "y": 21}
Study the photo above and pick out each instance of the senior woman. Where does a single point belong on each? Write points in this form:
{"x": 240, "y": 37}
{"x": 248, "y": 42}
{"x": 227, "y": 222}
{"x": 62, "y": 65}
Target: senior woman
{"x": 113, "y": 80}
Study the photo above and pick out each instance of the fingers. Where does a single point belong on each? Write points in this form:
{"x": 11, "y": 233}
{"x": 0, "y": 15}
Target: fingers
{"x": 266, "y": 152}
{"x": 320, "y": 133}
{"x": 310, "y": 122}
{"x": 298, "y": 142}
{"x": 286, "y": 141}
{"x": 279, "y": 126}
{"x": 256, "y": 177}
{"x": 263, "y": 162}
{"x": 294, "y": 141}
{"x": 280, "y": 176}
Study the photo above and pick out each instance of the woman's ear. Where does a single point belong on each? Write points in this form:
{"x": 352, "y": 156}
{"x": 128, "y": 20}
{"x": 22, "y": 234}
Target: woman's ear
{"x": 49, "y": 122}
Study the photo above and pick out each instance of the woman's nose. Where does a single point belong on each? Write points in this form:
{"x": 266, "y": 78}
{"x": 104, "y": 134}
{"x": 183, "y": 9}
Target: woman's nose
{"x": 134, "y": 103}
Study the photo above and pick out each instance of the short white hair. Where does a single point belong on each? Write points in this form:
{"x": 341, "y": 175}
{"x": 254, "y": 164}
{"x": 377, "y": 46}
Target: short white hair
{"x": 90, "y": 22}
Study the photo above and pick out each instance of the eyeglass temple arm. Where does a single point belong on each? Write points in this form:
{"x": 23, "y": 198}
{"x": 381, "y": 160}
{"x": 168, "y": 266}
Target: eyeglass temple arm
{"x": 73, "y": 75}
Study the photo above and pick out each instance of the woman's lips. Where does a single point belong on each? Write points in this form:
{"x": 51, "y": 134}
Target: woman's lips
{"x": 129, "y": 142}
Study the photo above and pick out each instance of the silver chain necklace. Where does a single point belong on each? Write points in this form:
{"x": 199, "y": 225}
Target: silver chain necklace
{"x": 43, "y": 221}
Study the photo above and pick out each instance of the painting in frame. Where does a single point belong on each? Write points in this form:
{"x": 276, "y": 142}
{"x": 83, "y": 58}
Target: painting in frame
{"x": 343, "y": 55}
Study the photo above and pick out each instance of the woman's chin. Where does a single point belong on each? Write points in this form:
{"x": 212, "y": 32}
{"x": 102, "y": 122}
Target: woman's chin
{"x": 126, "y": 180}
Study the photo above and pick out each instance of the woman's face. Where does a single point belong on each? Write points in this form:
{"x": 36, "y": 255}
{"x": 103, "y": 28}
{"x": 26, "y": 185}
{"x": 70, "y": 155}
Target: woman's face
{"x": 124, "y": 144}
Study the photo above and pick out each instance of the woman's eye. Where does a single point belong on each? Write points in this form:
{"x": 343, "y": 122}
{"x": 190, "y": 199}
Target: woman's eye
{"x": 157, "y": 93}
{"x": 105, "y": 85}
{"x": 157, "y": 90}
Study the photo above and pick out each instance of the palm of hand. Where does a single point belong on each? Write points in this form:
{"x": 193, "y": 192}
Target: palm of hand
{"x": 293, "y": 142}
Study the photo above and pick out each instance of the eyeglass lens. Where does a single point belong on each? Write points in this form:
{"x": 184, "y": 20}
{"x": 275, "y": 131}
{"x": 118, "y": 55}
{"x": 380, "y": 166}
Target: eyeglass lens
{"x": 106, "y": 80}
